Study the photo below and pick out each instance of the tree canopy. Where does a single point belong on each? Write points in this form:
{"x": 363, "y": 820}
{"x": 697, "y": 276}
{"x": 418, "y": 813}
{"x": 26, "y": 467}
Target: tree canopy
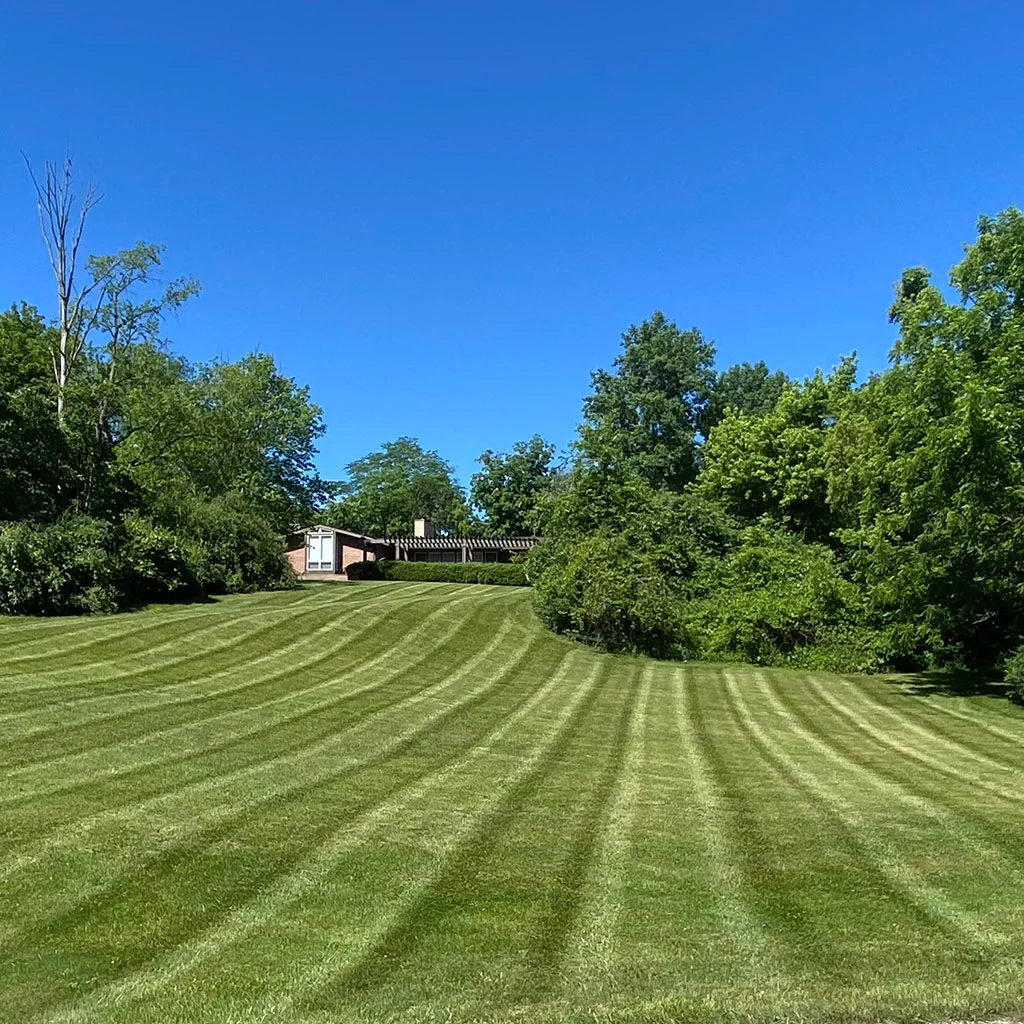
{"x": 861, "y": 525}
{"x": 127, "y": 472}
{"x": 510, "y": 485}
{"x": 384, "y": 491}
{"x": 644, "y": 418}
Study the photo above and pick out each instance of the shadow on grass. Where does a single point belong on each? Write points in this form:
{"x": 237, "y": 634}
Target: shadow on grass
{"x": 954, "y": 683}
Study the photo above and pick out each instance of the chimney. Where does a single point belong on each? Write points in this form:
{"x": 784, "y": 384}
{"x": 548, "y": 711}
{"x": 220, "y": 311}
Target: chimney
{"x": 422, "y": 528}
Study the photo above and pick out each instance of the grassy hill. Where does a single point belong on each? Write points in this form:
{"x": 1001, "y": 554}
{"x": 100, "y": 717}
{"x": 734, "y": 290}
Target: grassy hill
{"x": 407, "y": 802}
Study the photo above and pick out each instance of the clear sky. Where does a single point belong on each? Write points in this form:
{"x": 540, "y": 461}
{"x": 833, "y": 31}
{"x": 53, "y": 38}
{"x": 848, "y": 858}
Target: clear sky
{"x": 441, "y": 216}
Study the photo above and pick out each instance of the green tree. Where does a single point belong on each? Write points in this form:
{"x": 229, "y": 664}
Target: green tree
{"x": 510, "y": 485}
{"x": 36, "y": 469}
{"x": 926, "y": 464}
{"x": 222, "y": 429}
{"x": 748, "y": 388}
{"x": 644, "y": 418}
{"x": 385, "y": 490}
{"x": 773, "y": 466}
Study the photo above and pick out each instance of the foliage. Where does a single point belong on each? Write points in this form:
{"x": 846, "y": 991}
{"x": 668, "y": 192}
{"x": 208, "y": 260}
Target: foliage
{"x": 88, "y": 565}
{"x": 161, "y": 478}
{"x": 224, "y": 429}
{"x": 749, "y": 389}
{"x": 36, "y": 465}
{"x": 617, "y": 553}
{"x": 510, "y": 486}
{"x": 387, "y": 489}
{"x": 1013, "y": 674}
{"x": 238, "y": 548}
{"x": 774, "y": 464}
{"x": 776, "y": 600}
{"x": 848, "y": 526}
{"x": 366, "y": 570}
{"x": 600, "y": 589}
{"x": 508, "y": 574}
{"x": 926, "y": 465}
{"x": 644, "y": 419}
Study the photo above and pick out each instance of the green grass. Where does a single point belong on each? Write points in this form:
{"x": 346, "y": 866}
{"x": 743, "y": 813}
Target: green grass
{"x": 389, "y": 801}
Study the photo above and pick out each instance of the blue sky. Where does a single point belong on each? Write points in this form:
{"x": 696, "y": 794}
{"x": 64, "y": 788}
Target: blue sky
{"x": 441, "y": 216}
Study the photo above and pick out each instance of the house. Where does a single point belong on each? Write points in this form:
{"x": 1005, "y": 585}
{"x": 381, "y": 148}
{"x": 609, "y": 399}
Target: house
{"x": 325, "y": 552}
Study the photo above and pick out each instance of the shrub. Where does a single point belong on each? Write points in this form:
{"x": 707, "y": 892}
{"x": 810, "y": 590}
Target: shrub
{"x": 602, "y": 591}
{"x": 507, "y": 574}
{"x": 89, "y": 565}
{"x": 65, "y": 568}
{"x": 364, "y": 571}
{"x": 159, "y": 561}
{"x": 776, "y": 600}
{"x": 234, "y": 548}
{"x": 1013, "y": 673}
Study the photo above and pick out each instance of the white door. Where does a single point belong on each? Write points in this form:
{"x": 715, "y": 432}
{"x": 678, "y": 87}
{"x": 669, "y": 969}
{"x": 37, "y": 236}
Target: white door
{"x": 320, "y": 551}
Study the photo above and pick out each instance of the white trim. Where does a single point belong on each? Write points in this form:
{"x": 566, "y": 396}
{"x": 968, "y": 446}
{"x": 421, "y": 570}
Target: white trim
{"x": 317, "y": 545}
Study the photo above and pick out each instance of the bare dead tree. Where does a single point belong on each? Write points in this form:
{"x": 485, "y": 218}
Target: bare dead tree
{"x": 62, "y": 220}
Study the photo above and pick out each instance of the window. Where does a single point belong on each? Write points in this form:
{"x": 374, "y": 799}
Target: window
{"x": 320, "y": 551}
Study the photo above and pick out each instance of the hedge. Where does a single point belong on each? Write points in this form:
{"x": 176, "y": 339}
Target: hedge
{"x": 507, "y": 574}
{"x": 363, "y": 571}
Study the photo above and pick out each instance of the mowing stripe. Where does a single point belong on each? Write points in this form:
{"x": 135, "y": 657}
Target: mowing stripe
{"x": 316, "y": 867}
{"x": 742, "y": 927}
{"x": 892, "y": 702}
{"x": 905, "y": 723}
{"x": 73, "y": 832}
{"x": 593, "y": 945}
{"x": 146, "y": 667}
{"x": 280, "y": 654}
{"x": 230, "y": 809}
{"x": 347, "y": 956}
{"x": 17, "y": 628}
{"x": 142, "y": 740}
{"x": 233, "y": 811}
{"x": 28, "y": 665}
{"x": 961, "y": 830}
{"x": 58, "y": 700}
{"x": 932, "y": 901}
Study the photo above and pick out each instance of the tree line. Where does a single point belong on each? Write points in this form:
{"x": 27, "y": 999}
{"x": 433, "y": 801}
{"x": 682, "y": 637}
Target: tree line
{"x": 737, "y": 514}
{"x": 128, "y": 473}
{"x": 823, "y": 522}
{"x": 700, "y": 513}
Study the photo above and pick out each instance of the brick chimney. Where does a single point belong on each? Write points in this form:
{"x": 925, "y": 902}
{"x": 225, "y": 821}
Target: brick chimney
{"x": 423, "y": 528}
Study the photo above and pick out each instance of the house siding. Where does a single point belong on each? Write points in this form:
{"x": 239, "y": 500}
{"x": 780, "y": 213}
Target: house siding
{"x": 351, "y": 554}
{"x": 297, "y": 559}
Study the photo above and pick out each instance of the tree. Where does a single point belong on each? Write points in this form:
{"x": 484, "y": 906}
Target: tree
{"x": 209, "y": 431}
{"x": 645, "y": 417}
{"x": 36, "y": 473}
{"x": 509, "y": 485}
{"x": 62, "y": 220}
{"x": 749, "y": 388}
{"x": 126, "y": 320}
{"x": 926, "y": 464}
{"x": 773, "y": 466}
{"x": 385, "y": 490}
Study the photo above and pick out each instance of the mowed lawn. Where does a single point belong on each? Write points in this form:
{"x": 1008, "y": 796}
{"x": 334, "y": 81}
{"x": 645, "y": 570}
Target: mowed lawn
{"x": 386, "y": 801}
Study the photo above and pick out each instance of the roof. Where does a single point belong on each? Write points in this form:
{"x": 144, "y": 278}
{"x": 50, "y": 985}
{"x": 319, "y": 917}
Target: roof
{"x": 477, "y": 543}
{"x": 319, "y": 527}
{"x": 411, "y": 543}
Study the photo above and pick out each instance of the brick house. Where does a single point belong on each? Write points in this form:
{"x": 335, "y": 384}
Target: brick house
{"x": 325, "y": 552}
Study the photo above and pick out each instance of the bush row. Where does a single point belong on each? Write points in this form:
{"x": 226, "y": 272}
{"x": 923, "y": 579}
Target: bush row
{"x": 81, "y": 564}
{"x": 772, "y": 600}
{"x": 497, "y": 573}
